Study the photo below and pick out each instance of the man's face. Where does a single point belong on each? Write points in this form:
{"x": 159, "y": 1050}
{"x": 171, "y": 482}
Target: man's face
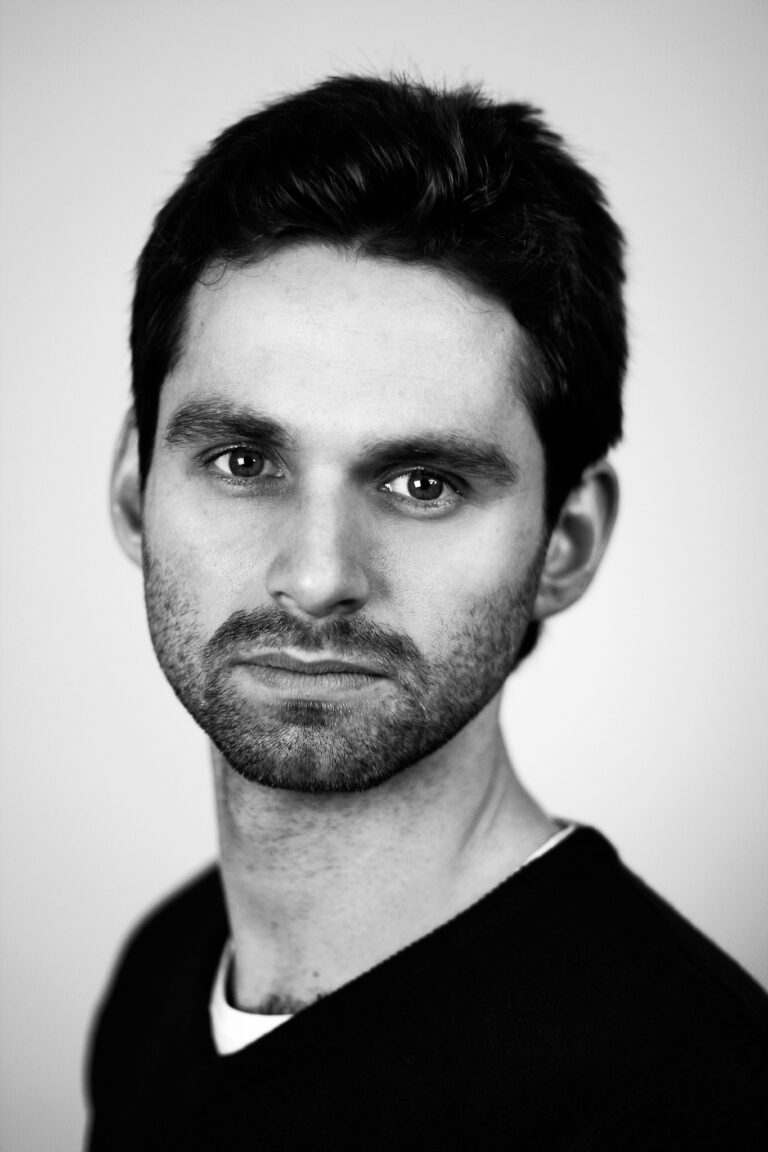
{"x": 343, "y": 522}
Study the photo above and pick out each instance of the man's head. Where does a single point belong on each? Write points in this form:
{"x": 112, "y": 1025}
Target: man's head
{"x": 442, "y": 179}
{"x": 378, "y": 345}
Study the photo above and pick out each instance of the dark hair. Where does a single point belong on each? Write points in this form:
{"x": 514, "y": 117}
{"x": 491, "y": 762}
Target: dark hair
{"x": 398, "y": 170}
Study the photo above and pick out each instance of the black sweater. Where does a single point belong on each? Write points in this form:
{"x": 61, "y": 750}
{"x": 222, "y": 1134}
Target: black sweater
{"x": 571, "y": 1008}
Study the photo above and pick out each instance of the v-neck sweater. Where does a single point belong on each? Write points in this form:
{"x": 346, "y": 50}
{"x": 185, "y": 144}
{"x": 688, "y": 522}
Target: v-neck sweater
{"x": 233, "y": 1029}
{"x": 569, "y": 1008}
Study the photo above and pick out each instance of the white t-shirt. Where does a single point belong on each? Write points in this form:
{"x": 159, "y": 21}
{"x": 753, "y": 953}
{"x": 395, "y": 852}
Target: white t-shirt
{"x": 234, "y": 1029}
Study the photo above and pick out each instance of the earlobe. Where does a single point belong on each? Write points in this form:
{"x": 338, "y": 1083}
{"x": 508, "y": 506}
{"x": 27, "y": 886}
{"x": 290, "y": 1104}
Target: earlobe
{"x": 578, "y": 541}
{"x": 125, "y": 490}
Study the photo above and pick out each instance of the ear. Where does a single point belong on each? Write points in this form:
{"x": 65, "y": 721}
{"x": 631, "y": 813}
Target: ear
{"x": 578, "y": 541}
{"x": 125, "y": 490}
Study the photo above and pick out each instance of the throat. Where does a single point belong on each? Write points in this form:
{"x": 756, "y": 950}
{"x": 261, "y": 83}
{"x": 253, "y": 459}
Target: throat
{"x": 276, "y": 1005}
{"x": 272, "y": 1004}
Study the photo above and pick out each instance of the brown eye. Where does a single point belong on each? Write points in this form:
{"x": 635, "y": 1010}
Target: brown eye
{"x": 422, "y": 488}
{"x": 425, "y": 486}
{"x": 242, "y": 463}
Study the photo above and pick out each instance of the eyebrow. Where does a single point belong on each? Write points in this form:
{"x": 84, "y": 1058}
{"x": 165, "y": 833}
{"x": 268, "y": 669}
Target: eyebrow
{"x": 466, "y": 454}
{"x": 216, "y": 418}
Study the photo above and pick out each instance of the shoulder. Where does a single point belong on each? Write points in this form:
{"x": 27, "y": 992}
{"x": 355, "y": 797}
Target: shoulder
{"x": 646, "y": 949}
{"x": 199, "y": 897}
{"x": 159, "y": 988}
{"x": 195, "y": 909}
{"x": 626, "y": 931}
{"x": 596, "y": 989}
{"x": 694, "y": 1069}
{"x": 175, "y": 946}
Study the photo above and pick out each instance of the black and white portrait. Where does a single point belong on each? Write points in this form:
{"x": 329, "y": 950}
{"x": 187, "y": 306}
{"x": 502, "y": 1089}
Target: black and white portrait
{"x": 384, "y": 653}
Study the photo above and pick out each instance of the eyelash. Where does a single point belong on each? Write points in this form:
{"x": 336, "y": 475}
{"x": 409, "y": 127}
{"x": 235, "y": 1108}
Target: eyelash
{"x": 420, "y": 506}
{"x": 425, "y": 507}
{"x": 209, "y": 463}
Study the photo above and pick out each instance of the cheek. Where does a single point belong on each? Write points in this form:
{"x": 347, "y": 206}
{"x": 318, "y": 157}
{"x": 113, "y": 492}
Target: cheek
{"x": 437, "y": 577}
{"x": 212, "y": 568}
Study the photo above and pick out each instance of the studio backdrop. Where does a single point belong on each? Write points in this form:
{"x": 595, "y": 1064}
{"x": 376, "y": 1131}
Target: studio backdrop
{"x": 644, "y": 710}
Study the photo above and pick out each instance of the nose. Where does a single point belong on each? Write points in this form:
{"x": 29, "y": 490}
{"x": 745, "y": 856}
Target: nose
{"x": 319, "y": 569}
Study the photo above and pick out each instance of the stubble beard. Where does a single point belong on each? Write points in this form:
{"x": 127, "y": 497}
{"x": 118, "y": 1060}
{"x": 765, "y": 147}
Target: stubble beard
{"x": 304, "y": 746}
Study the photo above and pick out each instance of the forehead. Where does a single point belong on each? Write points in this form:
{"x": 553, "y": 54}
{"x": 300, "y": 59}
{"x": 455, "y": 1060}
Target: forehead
{"x": 328, "y": 342}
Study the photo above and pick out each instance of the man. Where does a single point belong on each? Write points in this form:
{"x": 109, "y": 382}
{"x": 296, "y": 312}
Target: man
{"x": 378, "y": 345}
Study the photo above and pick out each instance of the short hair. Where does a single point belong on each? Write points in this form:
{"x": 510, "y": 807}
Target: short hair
{"x": 395, "y": 169}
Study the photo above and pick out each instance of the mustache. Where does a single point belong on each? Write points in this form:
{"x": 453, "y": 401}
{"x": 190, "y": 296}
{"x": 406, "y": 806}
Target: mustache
{"x": 346, "y": 636}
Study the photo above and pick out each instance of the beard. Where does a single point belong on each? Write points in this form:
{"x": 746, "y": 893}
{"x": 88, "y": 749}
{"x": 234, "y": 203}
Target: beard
{"x": 322, "y": 747}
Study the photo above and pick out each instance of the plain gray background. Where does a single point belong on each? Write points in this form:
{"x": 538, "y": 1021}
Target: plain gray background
{"x": 645, "y": 709}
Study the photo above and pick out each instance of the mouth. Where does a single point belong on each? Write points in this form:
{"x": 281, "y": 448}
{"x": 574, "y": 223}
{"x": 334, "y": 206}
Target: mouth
{"x": 307, "y": 665}
{"x": 308, "y": 677}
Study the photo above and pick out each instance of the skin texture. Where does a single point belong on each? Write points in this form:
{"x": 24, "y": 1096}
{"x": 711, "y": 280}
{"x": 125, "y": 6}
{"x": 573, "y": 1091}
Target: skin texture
{"x": 351, "y": 822}
{"x": 346, "y": 744}
{"x": 356, "y": 566}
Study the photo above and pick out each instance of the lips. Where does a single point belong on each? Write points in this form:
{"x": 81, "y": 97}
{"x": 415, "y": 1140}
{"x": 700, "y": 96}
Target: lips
{"x": 309, "y": 666}
{"x": 322, "y": 682}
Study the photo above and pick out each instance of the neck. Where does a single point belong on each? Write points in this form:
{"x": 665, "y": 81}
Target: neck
{"x": 322, "y": 887}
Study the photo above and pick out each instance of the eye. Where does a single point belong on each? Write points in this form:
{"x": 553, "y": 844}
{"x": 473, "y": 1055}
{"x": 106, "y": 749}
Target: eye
{"x": 245, "y": 464}
{"x": 423, "y": 486}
